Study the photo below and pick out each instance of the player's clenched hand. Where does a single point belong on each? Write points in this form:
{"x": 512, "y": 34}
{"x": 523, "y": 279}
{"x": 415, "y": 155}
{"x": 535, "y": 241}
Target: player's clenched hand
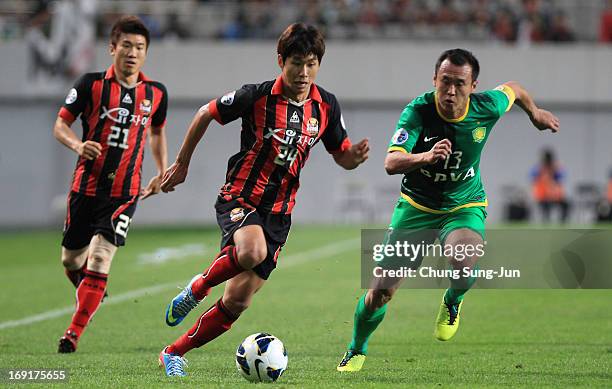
{"x": 154, "y": 187}
{"x": 89, "y": 149}
{"x": 544, "y": 120}
{"x": 440, "y": 151}
{"x": 173, "y": 176}
{"x": 360, "y": 151}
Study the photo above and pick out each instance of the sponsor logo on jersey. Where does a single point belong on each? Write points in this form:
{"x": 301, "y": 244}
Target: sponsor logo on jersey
{"x": 118, "y": 115}
{"x": 312, "y": 127}
{"x": 72, "y": 96}
{"x": 145, "y": 106}
{"x": 452, "y": 176}
{"x": 479, "y": 133}
{"x": 127, "y": 99}
{"x": 228, "y": 99}
{"x": 236, "y": 214}
{"x": 294, "y": 118}
{"x": 122, "y": 115}
{"x": 289, "y": 136}
{"x": 400, "y": 137}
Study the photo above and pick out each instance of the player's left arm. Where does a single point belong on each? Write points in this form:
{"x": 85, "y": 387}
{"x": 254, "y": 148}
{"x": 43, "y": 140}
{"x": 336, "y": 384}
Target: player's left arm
{"x": 338, "y": 144}
{"x": 157, "y": 141}
{"x": 541, "y": 118}
{"x": 159, "y": 150}
{"x": 354, "y": 155}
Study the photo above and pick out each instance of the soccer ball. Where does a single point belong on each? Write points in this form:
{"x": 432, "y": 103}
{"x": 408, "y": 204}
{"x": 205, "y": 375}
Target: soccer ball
{"x": 261, "y": 357}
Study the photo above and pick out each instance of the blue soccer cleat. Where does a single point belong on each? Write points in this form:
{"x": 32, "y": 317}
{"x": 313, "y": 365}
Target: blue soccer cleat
{"x": 173, "y": 364}
{"x": 181, "y": 305}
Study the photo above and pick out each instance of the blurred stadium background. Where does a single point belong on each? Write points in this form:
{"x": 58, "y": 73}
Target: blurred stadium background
{"x": 380, "y": 54}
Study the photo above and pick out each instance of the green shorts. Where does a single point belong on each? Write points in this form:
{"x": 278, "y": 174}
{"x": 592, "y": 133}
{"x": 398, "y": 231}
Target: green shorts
{"x": 407, "y": 217}
{"x": 410, "y": 225}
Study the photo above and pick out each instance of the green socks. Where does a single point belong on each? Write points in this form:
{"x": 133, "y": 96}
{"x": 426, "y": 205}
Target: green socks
{"x": 364, "y": 325}
{"x": 454, "y": 294}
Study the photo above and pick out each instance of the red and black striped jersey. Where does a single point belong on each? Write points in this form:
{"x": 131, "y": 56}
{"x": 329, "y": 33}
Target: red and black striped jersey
{"x": 118, "y": 118}
{"x": 276, "y": 138}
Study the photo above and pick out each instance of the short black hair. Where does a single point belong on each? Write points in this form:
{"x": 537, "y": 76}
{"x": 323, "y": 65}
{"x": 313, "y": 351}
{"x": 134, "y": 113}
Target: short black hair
{"x": 301, "y": 39}
{"x": 548, "y": 156}
{"x": 129, "y": 25}
{"x": 460, "y": 57}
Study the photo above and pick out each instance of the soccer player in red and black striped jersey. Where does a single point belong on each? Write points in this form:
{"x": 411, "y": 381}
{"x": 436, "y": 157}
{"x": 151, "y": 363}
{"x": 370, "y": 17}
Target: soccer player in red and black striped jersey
{"x": 119, "y": 108}
{"x": 282, "y": 120}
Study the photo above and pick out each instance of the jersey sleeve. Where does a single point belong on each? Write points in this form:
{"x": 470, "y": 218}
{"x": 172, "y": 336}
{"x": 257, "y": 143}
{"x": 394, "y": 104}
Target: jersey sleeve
{"x": 232, "y": 105}
{"x": 159, "y": 117}
{"x": 407, "y": 131}
{"x": 502, "y": 99}
{"x": 335, "y": 137}
{"x": 76, "y": 100}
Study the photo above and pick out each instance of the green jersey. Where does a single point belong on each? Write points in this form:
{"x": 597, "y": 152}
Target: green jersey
{"x": 453, "y": 183}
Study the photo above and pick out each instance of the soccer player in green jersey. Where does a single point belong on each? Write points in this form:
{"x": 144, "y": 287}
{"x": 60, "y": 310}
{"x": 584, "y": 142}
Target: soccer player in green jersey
{"x": 437, "y": 146}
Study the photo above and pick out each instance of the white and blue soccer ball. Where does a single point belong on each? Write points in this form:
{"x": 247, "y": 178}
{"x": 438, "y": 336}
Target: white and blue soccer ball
{"x": 261, "y": 357}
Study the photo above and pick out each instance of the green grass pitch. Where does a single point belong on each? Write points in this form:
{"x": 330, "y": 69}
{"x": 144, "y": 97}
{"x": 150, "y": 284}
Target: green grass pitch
{"x": 508, "y": 338}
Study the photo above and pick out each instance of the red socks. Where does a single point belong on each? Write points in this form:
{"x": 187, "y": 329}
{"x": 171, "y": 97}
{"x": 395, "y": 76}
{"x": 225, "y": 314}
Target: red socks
{"x": 75, "y": 276}
{"x": 89, "y": 295}
{"x": 224, "y": 267}
{"x": 214, "y": 322}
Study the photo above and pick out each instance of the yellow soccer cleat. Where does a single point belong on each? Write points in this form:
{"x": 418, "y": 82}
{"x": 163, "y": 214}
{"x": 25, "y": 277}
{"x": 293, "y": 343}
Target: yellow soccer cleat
{"x": 351, "y": 362}
{"x": 447, "y": 322}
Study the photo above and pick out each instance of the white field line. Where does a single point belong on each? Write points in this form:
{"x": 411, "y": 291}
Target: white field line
{"x": 285, "y": 262}
{"x": 167, "y": 254}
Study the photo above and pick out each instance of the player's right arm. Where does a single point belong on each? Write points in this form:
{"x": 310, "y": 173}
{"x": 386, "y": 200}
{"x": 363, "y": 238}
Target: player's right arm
{"x": 74, "y": 105}
{"x": 398, "y": 162}
{"x": 400, "y": 158}
{"x": 177, "y": 172}
{"x": 64, "y": 134}
{"x": 225, "y": 109}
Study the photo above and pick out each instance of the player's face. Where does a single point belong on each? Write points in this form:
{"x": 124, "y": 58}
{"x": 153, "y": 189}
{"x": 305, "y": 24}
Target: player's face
{"x": 298, "y": 74}
{"x": 453, "y": 85}
{"x": 129, "y": 53}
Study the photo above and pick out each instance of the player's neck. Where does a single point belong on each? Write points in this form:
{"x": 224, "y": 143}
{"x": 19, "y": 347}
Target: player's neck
{"x": 127, "y": 81}
{"x": 456, "y": 114}
{"x": 301, "y": 98}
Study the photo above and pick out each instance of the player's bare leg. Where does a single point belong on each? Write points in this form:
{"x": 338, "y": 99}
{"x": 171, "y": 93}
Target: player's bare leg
{"x": 90, "y": 291}
{"x": 449, "y": 314}
{"x": 74, "y": 262}
{"x": 239, "y": 291}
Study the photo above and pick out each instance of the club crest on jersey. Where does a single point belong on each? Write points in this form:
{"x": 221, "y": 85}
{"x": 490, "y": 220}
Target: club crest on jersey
{"x": 237, "y": 214}
{"x": 478, "y": 134}
{"x": 145, "y": 106}
{"x": 312, "y": 127}
{"x": 400, "y": 137}
{"x": 72, "y": 96}
{"x": 228, "y": 98}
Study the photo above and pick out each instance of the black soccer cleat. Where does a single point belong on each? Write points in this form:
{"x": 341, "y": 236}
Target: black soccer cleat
{"x": 68, "y": 342}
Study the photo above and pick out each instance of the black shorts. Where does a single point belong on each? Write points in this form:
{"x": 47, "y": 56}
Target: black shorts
{"x": 234, "y": 214}
{"x": 88, "y": 216}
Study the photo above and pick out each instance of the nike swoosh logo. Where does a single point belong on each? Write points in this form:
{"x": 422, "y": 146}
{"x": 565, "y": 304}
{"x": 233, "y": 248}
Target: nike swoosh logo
{"x": 257, "y": 363}
{"x": 428, "y": 139}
